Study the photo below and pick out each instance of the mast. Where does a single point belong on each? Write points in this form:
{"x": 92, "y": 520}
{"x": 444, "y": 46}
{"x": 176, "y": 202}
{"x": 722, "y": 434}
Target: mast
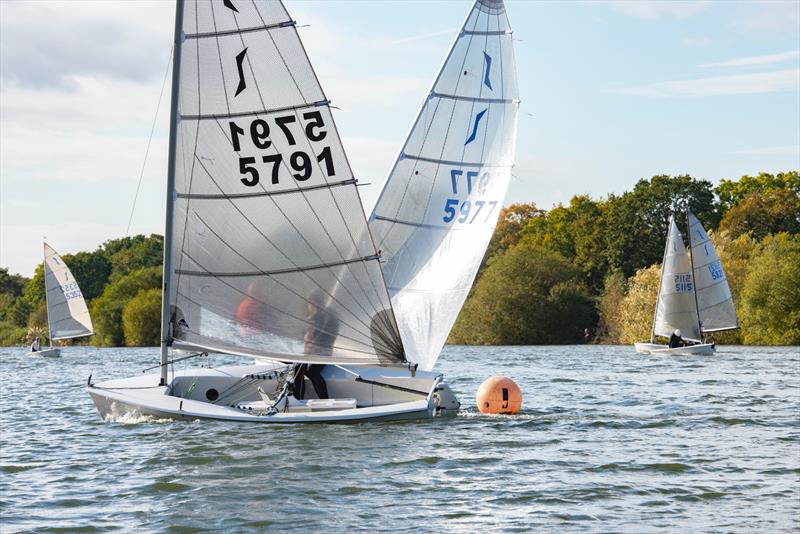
{"x": 660, "y": 281}
{"x": 166, "y": 335}
{"x": 46, "y": 291}
{"x": 694, "y": 282}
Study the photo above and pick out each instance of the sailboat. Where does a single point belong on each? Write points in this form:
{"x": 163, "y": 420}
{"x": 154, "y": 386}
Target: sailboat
{"x": 67, "y": 314}
{"x": 268, "y": 252}
{"x": 693, "y": 294}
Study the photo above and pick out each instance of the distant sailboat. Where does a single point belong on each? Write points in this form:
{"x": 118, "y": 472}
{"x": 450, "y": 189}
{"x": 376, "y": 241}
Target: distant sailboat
{"x": 67, "y": 314}
{"x": 693, "y": 294}
{"x": 268, "y": 252}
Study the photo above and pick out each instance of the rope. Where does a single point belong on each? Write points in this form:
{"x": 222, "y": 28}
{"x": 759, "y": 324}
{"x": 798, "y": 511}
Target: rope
{"x": 149, "y": 140}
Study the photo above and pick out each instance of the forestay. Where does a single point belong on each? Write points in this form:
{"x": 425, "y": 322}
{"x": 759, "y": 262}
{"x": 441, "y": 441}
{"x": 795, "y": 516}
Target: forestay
{"x": 714, "y": 300}
{"x": 270, "y": 251}
{"x": 67, "y": 314}
{"x": 676, "y": 307}
{"x": 437, "y": 211}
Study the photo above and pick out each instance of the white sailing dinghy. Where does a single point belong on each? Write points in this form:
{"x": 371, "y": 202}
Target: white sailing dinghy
{"x": 693, "y": 294}
{"x": 67, "y": 314}
{"x": 268, "y": 252}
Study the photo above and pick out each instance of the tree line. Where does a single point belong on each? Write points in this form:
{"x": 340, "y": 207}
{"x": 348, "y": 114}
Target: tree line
{"x": 593, "y": 264}
{"x": 547, "y": 277}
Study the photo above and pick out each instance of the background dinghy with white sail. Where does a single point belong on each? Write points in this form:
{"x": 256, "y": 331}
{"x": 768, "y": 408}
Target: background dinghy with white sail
{"x": 67, "y": 314}
{"x": 268, "y": 252}
{"x": 693, "y": 294}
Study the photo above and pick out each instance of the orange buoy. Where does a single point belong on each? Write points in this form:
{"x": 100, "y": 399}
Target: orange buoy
{"x": 499, "y": 394}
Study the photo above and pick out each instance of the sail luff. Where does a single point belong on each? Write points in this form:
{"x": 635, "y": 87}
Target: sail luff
{"x": 46, "y": 292}
{"x": 166, "y": 334}
{"x": 421, "y": 109}
{"x": 660, "y": 282}
{"x": 694, "y": 272}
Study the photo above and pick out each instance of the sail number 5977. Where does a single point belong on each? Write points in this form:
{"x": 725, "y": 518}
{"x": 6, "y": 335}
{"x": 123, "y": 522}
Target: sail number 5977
{"x": 299, "y": 163}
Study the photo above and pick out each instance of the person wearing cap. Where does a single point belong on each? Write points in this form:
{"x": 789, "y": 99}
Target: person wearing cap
{"x": 675, "y": 340}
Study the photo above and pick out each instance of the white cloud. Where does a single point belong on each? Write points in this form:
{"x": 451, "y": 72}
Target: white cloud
{"x": 768, "y": 59}
{"x": 784, "y": 150}
{"x": 764, "y": 82}
{"x": 45, "y": 44}
{"x": 767, "y": 17}
{"x": 655, "y": 9}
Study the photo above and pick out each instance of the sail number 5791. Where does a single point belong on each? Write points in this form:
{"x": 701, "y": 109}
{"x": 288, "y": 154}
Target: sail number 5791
{"x": 299, "y": 163}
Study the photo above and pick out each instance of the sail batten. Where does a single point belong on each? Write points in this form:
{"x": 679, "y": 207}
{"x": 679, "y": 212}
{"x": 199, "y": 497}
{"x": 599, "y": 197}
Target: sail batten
{"x": 285, "y": 264}
{"x": 438, "y": 208}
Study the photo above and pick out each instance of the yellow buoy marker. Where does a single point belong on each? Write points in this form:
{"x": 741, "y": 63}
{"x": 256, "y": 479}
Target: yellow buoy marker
{"x": 499, "y": 394}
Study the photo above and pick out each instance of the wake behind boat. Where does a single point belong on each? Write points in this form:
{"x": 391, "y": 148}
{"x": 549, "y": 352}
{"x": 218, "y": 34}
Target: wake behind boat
{"x": 267, "y": 250}
{"x": 67, "y": 314}
{"x": 694, "y": 299}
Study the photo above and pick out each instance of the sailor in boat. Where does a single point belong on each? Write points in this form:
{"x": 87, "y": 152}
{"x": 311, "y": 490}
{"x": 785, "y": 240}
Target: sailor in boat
{"x": 675, "y": 340}
{"x": 251, "y": 312}
{"x": 323, "y": 327}
{"x": 35, "y": 346}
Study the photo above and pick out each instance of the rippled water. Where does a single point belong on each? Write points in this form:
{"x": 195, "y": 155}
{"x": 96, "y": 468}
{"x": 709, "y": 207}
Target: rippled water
{"x": 608, "y": 441}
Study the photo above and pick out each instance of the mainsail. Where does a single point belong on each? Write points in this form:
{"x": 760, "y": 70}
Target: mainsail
{"x": 714, "y": 300}
{"x": 67, "y": 314}
{"x": 268, "y": 250}
{"x": 676, "y": 307}
{"x": 438, "y": 209}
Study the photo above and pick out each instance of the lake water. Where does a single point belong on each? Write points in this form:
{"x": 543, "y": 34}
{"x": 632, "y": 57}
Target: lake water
{"x": 607, "y": 441}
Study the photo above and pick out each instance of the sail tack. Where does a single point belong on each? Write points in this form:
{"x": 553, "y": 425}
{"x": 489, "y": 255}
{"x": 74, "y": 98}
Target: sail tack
{"x": 438, "y": 209}
{"x": 714, "y": 300}
{"x": 676, "y": 308}
{"x": 270, "y": 250}
{"x": 67, "y": 313}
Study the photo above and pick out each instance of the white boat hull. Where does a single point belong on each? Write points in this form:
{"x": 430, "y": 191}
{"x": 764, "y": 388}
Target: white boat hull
{"x": 48, "y": 352}
{"x": 703, "y": 349}
{"x": 379, "y": 394}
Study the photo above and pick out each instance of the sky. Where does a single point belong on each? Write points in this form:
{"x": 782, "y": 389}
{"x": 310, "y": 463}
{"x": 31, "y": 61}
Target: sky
{"x": 612, "y": 92}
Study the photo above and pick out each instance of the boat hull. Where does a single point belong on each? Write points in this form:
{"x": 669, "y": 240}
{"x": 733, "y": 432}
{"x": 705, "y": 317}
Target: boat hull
{"x": 380, "y": 395}
{"x": 703, "y": 349}
{"x": 51, "y": 352}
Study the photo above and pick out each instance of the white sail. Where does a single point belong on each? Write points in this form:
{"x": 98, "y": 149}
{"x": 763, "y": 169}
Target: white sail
{"x": 714, "y": 300}
{"x": 438, "y": 209}
{"x": 67, "y": 314}
{"x": 676, "y": 308}
{"x": 270, "y": 253}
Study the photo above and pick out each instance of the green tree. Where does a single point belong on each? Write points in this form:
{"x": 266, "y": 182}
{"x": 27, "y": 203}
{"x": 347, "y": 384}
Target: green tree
{"x": 526, "y": 295}
{"x": 19, "y": 312}
{"x": 107, "y": 309}
{"x": 610, "y": 307}
{"x": 731, "y": 192}
{"x": 636, "y": 226}
{"x": 771, "y": 293}
{"x": 507, "y": 231}
{"x": 132, "y": 253}
{"x": 762, "y": 213}
{"x": 13, "y": 284}
{"x": 141, "y": 319}
{"x": 576, "y": 232}
{"x": 635, "y": 318}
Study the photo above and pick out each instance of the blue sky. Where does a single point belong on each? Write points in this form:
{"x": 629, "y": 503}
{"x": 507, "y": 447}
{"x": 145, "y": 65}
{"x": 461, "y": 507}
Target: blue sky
{"x": 611, "y": 92}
